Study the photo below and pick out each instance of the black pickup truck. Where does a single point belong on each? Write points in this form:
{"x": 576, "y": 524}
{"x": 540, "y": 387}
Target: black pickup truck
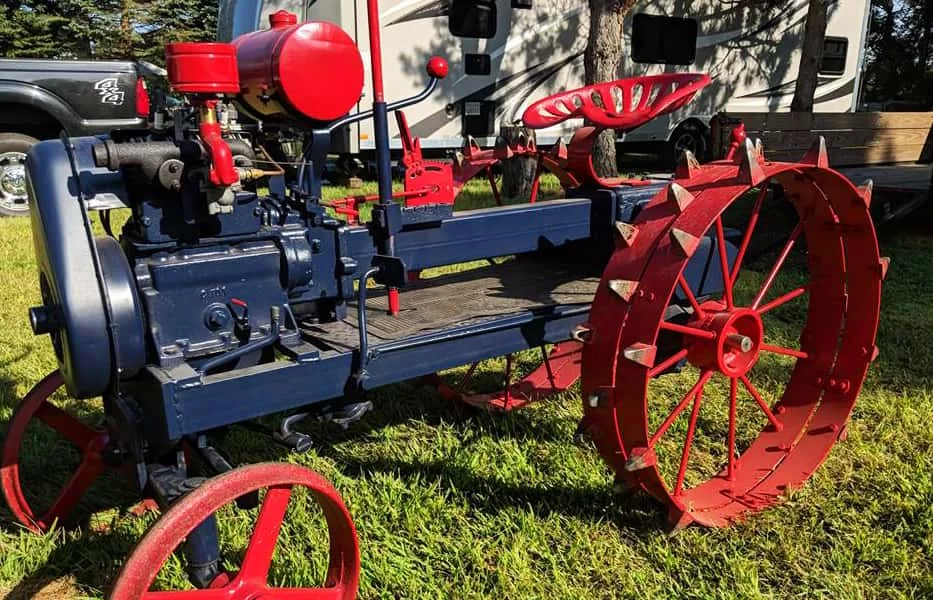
{"x": 41, "y": 98}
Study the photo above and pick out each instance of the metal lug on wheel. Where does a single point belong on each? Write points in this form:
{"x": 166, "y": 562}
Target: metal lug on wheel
{"x": 582, "y": 333}
{"x": 626, "y": 233}
{"x": 679, "y": 197}
{"x": 600, "y": 398}
{"x": 559, "y": 151}
{"x": 642, "y": 354}
{"x": 885, "y": 264}
{"x": 641, "y": 458}
{"x": 623, "y": 288}
{"x": 677, "y": 521}
{"x": 750, "y": 172}
{"x": 687, "y": 166}
{"x": 684, "y": 242}
{"x": 817, "y": 155}
{"x": 865, "y": 191}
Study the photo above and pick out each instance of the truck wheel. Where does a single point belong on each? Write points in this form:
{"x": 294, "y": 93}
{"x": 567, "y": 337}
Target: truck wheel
{"x": 689, "y": 136}
{"x": 13, "y": 199}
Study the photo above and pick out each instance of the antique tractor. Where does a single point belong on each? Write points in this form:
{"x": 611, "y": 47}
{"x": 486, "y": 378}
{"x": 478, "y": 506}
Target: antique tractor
{"x": 218, "y": 304}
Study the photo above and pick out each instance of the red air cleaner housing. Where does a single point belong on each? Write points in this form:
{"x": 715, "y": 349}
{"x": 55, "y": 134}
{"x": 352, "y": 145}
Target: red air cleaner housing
{"x": 202, "y": 68}
{"x": 296, "y": 71}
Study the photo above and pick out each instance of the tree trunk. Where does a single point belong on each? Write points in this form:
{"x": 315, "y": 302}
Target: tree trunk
{"x": 126, "y": 29}
{"x": 601, "y": 63}
{"x": 518, "y": 173}
{"x": 811, "y": 57}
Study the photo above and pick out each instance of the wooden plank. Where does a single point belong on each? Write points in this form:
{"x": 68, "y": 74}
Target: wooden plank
{"x": 842, "y": 139}
{"x": 823, "y": 121}
{"x": 866, "y": 155}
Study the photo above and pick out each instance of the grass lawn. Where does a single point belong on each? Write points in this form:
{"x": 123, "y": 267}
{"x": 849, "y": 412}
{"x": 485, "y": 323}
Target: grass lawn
{"x": 451, "y": 503}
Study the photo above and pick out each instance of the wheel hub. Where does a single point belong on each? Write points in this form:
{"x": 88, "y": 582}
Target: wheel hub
{"x": 737, "y": 343}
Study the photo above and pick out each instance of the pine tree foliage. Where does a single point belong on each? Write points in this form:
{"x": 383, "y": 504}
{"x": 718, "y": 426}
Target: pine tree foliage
{"x": 101, "y": 29}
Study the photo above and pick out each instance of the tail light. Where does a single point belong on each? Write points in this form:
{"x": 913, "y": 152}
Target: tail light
{"x": 142, "y": 98}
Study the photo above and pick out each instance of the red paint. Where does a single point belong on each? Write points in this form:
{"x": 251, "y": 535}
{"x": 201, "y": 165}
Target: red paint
{"x": 438, "y": 67}
{"x": 251, "y": 579}
{"x": 282, "y": 18}
{"x": 394, "y": 304}
{"x": 375, "y": 49}
{"x": 302, "y": 71}
{"x": 426, "y": 181}
{"x": 202, "y": 68}
{"x": 222, "y": 170}
{"x": 840, "y": 329}
{"x": 558, "y": 371}
{"x": 625, "y": 103}
{"x": 90, "y": 443}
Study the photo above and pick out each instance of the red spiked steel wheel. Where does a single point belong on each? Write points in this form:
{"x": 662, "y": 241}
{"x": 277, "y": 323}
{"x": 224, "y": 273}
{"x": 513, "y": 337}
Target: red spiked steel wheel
{"x": 558, "y": 371}
{"x": 92, "y": 444}
{"x": 752, "y": 444}
{"x": 252, "y": 579}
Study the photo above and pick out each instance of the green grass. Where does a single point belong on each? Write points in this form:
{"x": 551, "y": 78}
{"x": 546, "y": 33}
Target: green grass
{"x": 451, "y": 503}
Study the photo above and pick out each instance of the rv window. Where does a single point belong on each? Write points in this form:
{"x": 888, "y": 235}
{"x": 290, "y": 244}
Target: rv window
{"x": 663, "y": 40}
{"x": 834, "y": 56}
{"x": 472, "y": 18}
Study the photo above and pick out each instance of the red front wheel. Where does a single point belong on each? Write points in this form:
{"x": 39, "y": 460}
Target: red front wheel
{"x": 282, "y": 484}
{"x": 91, "y": 443}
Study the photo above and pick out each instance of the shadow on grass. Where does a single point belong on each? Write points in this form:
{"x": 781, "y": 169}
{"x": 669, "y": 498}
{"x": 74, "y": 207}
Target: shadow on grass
{"x": 90, "y": 561}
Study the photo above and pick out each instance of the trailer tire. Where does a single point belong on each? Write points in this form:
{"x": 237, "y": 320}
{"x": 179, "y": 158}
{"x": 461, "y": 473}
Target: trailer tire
{"x": 13, "y": 149}
{"x": 692, "y": 136}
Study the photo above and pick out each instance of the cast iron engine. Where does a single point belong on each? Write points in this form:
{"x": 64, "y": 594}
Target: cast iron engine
{"x": 207, "y": 268}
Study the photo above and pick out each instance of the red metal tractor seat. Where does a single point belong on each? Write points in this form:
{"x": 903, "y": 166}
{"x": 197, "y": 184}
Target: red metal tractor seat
{"x": 623, "y": 104}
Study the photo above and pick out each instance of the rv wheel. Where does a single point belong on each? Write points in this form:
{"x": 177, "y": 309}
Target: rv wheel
{"x": 689, "y": 136}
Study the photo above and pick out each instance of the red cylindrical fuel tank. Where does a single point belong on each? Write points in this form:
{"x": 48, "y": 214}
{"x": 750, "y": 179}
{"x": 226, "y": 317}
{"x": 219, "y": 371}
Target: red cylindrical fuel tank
{"x": 294, "y": 71}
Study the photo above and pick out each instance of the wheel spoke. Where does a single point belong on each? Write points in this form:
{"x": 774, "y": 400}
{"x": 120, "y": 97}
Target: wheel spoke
{"x": 668, "y": 363}
{"x": 724, "y": 264}
{"x": 685, "y": 457}
{"x": 67, "y": 426}
{"x": 698, "y": 312}
{"x": 785, "y": 251}
{"x": 761, "y": 403}
{"x": 697, "y": 387}
{"x": 781, "y": 300}
{"x": 88, "y": 471}
{"x": 686, "y": 330}
{"x": 265, "y": 534}
{"x": 733, "y": 395}
{"x": 749, "y": 229}
{"x": 784, "y": 351}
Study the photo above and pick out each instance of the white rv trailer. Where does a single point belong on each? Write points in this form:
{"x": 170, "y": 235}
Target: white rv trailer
{"x": 751, "y": 48}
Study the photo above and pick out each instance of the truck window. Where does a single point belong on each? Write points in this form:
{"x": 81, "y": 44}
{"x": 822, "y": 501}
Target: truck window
{"x": 834, "y": 56}
{"x": 472, "y": 18}
{"x": 663, "y": 40}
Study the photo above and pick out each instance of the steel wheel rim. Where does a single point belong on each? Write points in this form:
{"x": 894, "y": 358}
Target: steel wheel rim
{"x": 91, "y": 442}
{"x": 13, "y": 195}
{"x": 142, "y": 567}
{"x": 839, "y": 348}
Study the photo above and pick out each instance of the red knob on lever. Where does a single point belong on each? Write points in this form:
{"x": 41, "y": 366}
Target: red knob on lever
{"x": 437, "y": 67}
